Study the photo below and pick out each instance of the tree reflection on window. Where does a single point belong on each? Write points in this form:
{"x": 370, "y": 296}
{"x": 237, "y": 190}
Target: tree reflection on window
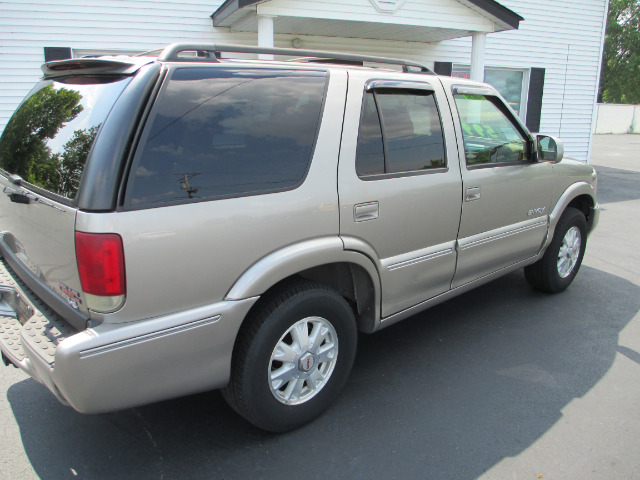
{"x": 25, "y": 144}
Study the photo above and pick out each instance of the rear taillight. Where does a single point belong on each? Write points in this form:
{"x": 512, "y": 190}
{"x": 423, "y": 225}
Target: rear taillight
{"x": 100, "y": 259}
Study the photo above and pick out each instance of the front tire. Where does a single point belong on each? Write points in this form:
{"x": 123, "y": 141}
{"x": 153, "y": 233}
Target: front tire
{"x": 292, "y": 357}
{"x": 559, "y": 265}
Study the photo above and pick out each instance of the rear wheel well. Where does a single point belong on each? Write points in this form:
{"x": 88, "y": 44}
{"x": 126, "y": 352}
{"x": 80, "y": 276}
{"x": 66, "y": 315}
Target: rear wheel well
{"x": 348, "y": 279}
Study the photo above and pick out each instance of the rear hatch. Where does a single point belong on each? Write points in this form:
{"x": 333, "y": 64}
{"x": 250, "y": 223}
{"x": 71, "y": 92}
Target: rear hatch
{"x": 44, "y": 150}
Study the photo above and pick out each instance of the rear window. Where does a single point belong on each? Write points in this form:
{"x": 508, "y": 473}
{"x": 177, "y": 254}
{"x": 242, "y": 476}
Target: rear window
{"x": 48, "y": 139}
{"x": 225, "y": 132}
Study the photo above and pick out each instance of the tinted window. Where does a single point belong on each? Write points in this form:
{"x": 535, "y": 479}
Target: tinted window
{"x": 370, "y": 156}
{"x": 400, "y": 131}
{"x": 48, "y": 139}
{"x": 489, "y": 135}
{"x": 228, "y": 132}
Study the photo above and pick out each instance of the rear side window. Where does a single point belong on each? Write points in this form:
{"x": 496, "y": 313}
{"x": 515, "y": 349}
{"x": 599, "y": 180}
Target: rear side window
{"x": 48, "y": 139}
{"x": 400, "y": 132}
{"x": 224, "y": 132}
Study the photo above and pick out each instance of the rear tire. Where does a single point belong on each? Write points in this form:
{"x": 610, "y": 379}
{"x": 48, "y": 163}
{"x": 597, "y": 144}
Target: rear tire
{"x": 559, "y": 265}
{"x": 292, "y": 357}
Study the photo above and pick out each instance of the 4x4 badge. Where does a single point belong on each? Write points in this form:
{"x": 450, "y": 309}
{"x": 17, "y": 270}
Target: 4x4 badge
{"x": 537, "y": 211}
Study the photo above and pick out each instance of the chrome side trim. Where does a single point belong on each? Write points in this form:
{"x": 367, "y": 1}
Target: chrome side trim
{"x": 90, "y": 352}
{"x": 419, "y": 256}
{"x": 499, "y": 233}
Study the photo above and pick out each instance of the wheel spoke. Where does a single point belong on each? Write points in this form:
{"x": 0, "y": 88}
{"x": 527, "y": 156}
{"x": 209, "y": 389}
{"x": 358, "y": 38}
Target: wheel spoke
{"x": 284, "y": 353}
{"x": 282, "y": 375}
{"x": 293, "y": 390}
{"x": 300, "y": 335}
{"x": 326, "y": 353}
{"x": 318, "y": 334}
{"x": 315, "y": 380}
{"x": 562, "y": 266}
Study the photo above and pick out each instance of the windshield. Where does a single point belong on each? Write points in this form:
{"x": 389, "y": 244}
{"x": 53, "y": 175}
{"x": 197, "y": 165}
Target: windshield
{"x": 48, "y": 139}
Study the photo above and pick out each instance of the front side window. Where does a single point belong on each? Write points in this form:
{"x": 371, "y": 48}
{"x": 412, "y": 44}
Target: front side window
{"x": 490, "y": 138}
{"x": 225, "y": 132}
{"x": 400, "y": 132}
{"x": 48, "y": 139}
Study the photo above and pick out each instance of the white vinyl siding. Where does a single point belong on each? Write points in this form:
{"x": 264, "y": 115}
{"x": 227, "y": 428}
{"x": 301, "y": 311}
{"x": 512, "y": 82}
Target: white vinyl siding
{"x": 432, "y": 13}
{"x": 26, "y": 27}
{"x": 563, "y": 37}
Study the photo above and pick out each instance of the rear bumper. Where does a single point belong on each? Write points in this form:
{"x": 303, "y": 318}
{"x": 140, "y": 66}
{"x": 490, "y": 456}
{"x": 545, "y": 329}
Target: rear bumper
{"x": 111, "y": 367}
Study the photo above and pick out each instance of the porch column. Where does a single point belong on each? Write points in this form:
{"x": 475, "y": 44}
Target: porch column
{"x": 265, "y": 35}
{"x": 477, "y": 56}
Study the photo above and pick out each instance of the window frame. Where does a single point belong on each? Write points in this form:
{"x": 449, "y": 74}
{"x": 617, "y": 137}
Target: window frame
{"x": 145, "y": 130}
{"x": 508, "y": 112}
{"x": 370, "y": 87}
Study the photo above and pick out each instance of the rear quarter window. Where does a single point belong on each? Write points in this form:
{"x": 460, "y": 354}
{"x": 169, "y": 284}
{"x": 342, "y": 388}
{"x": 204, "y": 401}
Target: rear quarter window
{"x": 48, "y": 139}
{"x": 224, "y": 132}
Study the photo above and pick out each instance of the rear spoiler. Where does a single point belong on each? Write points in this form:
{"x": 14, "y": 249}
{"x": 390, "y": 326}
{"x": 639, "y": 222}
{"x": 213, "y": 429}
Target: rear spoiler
{"x": 104, "y": 65}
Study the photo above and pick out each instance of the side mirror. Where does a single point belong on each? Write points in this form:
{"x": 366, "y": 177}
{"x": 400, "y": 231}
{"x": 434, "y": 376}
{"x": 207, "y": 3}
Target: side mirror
{"x": 550, "y": 149}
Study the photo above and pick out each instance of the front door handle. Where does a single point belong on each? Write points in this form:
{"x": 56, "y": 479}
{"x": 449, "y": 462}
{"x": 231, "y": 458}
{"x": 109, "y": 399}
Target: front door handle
{"x": 471, "y": 194}
{"x": 366, "y": 211}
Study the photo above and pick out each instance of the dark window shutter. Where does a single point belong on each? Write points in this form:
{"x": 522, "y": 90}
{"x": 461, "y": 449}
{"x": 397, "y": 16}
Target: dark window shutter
{"x": 534, "y": 102}
{"x": 443, "y": 68}
{"x": 56, "y": 53}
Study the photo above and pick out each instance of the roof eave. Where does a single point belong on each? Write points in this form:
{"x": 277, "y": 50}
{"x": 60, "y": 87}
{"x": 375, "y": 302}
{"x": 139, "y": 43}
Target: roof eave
{"x": 499, "y": 11}
{"x": 507, "y": 17}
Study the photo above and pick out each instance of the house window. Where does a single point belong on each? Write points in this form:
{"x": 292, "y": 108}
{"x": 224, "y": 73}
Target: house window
{"x": 511, "y": 83}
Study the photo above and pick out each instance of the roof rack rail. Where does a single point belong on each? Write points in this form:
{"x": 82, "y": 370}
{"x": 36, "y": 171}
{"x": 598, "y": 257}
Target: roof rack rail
{"x": 211, "y": 53}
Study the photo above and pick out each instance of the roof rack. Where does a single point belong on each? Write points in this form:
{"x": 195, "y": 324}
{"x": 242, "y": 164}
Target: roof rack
{"x": 211, "y": 52}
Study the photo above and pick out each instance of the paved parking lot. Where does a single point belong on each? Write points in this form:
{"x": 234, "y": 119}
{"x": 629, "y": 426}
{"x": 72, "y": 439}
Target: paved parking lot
{"x": 501, "y": 383}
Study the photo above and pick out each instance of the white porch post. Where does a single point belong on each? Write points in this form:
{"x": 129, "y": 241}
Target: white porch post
{"x": 479, "y": 41}
{"x": 265, "y": 35}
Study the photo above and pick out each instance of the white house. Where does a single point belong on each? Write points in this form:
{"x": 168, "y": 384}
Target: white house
{"x": 543, "y": 56}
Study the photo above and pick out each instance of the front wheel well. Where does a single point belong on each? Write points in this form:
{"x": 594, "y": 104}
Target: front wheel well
{"x": 585, "y": 204}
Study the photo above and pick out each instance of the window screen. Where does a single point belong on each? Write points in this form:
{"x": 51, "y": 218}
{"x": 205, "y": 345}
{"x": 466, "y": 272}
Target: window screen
{"x": 400, "y": 131}
{"x": 219, "y": 133}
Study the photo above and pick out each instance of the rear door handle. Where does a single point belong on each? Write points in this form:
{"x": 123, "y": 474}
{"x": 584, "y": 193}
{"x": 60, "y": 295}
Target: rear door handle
{"x": 366, "y": 211}
{"x": 471, "y": 194}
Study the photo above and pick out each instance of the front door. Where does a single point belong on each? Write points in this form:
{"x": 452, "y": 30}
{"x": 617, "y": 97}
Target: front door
{"x": 506, "y": 194}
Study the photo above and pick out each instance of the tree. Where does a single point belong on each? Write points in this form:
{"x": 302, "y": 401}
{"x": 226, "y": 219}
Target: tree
{"x": 620, "y": 81}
